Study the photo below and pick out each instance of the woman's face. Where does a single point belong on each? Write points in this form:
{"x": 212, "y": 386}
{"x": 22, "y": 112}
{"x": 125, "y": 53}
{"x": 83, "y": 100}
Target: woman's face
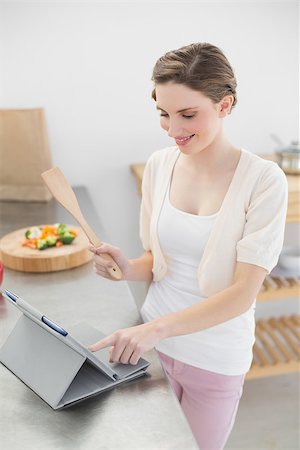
{"x": 188, "y": 116}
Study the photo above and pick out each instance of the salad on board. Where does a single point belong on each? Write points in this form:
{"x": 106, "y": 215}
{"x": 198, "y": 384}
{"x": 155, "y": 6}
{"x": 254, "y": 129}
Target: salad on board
{"x": 47, "y": 236}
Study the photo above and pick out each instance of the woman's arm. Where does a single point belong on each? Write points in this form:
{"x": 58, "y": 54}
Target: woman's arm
{"x": 141, "y": 268}
{"x": 129, "y": 344}
{"x": 225, "y": 305}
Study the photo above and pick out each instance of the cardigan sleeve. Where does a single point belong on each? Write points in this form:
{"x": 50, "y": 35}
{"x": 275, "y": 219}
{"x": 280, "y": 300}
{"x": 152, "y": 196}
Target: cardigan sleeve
{"x": 146, "y": 207}
{"x": 263, "y": 233}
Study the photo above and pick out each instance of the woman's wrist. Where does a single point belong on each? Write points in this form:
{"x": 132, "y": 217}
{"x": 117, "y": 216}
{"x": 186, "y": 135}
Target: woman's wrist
{"x": 129, "y": 273}
{"x": 161, "y": 327}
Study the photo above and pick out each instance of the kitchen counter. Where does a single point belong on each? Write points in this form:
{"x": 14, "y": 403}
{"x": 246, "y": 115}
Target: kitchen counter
{"x": 142, "y": 414}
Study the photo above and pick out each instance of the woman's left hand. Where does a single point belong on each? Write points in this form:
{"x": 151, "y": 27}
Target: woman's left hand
{"x": 129, "y": 344}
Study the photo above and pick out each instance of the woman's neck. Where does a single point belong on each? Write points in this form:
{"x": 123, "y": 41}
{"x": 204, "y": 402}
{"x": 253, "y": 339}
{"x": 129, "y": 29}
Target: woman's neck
{"x": 220, "y": 155}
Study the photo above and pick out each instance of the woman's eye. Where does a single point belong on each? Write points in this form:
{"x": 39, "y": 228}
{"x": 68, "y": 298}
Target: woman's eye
{"x": 184, "y": 116}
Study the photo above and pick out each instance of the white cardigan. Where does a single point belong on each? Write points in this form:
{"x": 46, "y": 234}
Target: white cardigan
{"x": 249, "y": 227}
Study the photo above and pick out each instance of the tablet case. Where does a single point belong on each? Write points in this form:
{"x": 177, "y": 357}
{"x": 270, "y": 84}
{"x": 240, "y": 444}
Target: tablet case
{"x": 60, "y": 369}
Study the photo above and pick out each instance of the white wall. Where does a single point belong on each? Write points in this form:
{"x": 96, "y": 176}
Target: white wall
{"x": 89, "y": 65}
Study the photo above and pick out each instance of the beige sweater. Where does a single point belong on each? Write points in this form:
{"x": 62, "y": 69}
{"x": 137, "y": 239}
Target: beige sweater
{"x": 249, "y": 227}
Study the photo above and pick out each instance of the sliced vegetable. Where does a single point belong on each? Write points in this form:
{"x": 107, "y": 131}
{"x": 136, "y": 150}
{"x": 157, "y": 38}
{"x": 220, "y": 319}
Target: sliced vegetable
{"x": 67, "y": 238}
{"x": 29, "y": 244}
{"x": 51, "y": 240}
{"x": 46, "y": 236}
{"x": 33, "y": 232}
{"x": 61, "y": 229}
{"x": 42, "y": 244}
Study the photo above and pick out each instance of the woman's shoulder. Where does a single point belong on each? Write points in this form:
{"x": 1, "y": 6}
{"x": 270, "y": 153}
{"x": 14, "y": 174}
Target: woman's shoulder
{"x": 263, "y": 171}
{"x": 262, "y": 166}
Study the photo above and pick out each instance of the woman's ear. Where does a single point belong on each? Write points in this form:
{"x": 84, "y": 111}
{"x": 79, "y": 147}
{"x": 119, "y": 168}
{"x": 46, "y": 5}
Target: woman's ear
{"x": 225, "y": 106}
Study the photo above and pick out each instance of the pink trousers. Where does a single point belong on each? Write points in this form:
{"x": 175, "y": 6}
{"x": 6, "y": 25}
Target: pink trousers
{"x": 209, "y": 400}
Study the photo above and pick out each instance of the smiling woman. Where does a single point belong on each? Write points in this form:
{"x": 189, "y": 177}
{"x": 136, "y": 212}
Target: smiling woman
{"x": 197, "y": 125}
{"x": 212, "y": 226}
{"x": 200, "y": 78}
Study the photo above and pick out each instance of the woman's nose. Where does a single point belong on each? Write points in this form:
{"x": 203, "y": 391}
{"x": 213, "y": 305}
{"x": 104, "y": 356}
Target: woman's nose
{"x": 174, "y": 129}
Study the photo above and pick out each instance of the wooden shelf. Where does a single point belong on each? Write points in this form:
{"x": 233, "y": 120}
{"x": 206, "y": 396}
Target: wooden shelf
{"x": 278, "y": 288}
{"x": 277, "y": 341}
{"x": 277, "y": 347}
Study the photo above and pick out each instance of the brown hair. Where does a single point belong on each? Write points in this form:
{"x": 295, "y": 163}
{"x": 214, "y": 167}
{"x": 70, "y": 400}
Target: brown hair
{"x": 199, "y": 66}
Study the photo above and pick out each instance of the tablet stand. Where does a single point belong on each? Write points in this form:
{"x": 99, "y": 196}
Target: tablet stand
{"x": 56, "y": 372}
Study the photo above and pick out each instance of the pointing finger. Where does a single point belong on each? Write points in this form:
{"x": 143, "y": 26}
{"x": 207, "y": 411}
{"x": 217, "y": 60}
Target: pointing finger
{"x": 103, "y": 343}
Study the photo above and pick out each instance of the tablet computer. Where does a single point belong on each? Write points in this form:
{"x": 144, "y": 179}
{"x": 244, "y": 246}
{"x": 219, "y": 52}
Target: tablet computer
{"x": 46, "y": 345}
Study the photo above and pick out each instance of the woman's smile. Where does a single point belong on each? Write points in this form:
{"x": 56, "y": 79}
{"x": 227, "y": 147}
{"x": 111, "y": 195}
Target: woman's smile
{"x": 184, "y": 140}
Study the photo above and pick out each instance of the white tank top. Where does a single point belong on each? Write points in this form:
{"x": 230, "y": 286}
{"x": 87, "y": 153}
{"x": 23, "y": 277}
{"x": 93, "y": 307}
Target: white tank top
{"x": 183, "y": 237}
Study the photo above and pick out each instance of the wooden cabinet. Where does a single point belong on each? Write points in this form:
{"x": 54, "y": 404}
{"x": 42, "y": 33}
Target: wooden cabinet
{"x": 277, "y": 340}
{"x": 277, "y": 345}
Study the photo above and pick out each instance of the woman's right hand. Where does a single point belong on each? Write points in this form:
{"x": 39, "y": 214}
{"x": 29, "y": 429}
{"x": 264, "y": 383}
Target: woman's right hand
{"x": 101, "y": 265}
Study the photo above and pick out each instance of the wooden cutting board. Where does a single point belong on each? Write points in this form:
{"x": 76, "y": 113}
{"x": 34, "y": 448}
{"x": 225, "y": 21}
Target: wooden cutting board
{"x": 24, "y": 259}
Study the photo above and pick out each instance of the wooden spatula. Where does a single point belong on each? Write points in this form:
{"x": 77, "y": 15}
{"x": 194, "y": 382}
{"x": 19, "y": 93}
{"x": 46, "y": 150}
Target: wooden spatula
{"x": 64, "y": 194}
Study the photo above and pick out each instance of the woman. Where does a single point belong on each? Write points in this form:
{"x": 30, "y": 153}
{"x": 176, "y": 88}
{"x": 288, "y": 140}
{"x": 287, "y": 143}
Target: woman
{"x": 212, "y": 226}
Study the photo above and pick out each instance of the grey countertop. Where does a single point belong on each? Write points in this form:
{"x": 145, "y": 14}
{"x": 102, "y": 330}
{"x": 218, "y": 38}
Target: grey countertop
{"x": 142, "y": 414}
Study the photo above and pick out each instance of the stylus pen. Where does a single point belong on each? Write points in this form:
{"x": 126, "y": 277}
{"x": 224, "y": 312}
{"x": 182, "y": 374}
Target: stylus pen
{"x": 25, "y": 307}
